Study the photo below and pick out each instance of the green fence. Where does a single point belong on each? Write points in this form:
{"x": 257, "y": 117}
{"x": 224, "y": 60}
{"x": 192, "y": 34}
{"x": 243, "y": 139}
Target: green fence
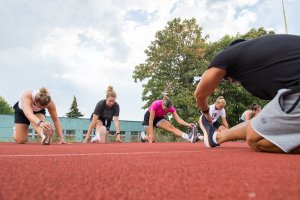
{"x": 75, "y": 129}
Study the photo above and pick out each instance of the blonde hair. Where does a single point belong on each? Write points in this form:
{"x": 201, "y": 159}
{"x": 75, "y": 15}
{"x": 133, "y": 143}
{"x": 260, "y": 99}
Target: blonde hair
{"x": 221, "y": 99}
{"x": 43, "y": 97}
{"x": 110, "y": 92}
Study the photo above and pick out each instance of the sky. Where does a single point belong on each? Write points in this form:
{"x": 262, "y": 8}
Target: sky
{"x": 80, "y": 47}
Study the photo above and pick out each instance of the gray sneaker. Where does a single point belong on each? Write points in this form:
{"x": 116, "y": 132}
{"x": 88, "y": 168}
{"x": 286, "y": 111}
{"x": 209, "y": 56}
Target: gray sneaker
{"x": 192, "y": 133}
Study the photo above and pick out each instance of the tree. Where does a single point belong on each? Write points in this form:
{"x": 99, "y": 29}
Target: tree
{"x": 174, "y": 58}
{"x": 5, "y": 108}
{"x": 74, "y": 112}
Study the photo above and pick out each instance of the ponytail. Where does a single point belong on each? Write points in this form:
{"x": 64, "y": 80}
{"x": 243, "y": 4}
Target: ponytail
{"x": 110, "y": 92}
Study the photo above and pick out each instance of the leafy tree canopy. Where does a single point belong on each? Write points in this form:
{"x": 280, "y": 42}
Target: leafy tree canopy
{"x": 5, "y": 108}
{"x": 176, "y": 59}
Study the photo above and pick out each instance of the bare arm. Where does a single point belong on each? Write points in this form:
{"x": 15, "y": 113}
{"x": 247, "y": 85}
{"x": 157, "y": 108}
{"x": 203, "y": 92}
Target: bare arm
{"x": 52, "y": 111}
{"x": 91, "y": 126}
{"x": 247, "y": 115}
{"x": 224, "y": 122}
{"x": 210, "y": 80}
{"x": 151, "y": 128}
{"x": 181, "y": 121}
{"x": 117, "y": 125}
{"x": 27, "y": 102}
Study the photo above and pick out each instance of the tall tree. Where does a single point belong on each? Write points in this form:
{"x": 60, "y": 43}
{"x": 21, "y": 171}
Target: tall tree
{"x": 174, "y": 58}
{"x": 74, "y": 112}
{"x": 5, "y": 108}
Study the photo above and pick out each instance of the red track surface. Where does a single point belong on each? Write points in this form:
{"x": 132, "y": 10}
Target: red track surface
{"x": 146, "y": 171}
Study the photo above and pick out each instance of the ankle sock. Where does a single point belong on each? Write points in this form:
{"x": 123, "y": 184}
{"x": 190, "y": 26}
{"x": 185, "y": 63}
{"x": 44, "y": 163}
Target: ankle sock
{"x": 185, "y": 136}
{"x": 215, "y": 137}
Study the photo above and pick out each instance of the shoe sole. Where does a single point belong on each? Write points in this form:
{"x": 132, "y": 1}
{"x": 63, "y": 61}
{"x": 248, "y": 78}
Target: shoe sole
{"x": 95, "y": 140}
{"x": 205, "y": 136}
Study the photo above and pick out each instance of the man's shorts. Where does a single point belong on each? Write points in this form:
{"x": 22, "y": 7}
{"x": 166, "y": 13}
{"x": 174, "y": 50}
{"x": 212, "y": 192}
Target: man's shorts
{"x": 279, "y": 120}
{"x": 20, "y": 117}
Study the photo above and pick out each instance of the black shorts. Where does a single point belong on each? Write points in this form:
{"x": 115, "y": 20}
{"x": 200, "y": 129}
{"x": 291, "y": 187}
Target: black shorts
{"x": 20, "y": 117}
{"x": 155, "y": 121}
{"x": 104, "y": 121}
{"x": 217, "y": 124}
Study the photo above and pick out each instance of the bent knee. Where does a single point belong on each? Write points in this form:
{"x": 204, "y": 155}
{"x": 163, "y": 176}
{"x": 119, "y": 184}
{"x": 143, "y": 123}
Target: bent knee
{"x": 20, "y": 141}
{"x": 103, "y": 129}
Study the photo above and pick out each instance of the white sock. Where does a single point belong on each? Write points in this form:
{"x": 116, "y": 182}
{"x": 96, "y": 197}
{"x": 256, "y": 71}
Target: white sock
{"x": 185, "y": 136}
{"x": 98, "y": 135}
{"x": 200, "y": 137}
{"x": 215, "y": 137}
{"x": 43, "y": 135}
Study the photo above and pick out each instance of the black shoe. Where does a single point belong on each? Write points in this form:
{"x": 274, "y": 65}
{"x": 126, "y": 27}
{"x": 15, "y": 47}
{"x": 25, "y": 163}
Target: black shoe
{"x": 208, "y": 130}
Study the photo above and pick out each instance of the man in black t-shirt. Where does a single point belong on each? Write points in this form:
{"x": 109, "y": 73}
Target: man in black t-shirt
{"x": 269, "y": 68}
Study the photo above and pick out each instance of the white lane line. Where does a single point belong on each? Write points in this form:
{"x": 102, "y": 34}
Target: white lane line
{"x": 94, "y": 154}
{"x": 120, "y": 153}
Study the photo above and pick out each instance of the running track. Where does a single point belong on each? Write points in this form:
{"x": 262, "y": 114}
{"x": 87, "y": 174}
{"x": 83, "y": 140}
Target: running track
{"x": 145, "y": 171}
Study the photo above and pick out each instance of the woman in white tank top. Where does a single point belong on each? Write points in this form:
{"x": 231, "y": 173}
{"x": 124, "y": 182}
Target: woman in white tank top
{"x": 31, "y": 108}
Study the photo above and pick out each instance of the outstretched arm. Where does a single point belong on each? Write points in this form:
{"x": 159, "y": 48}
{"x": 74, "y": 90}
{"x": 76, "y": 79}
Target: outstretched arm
{"x": 181, "y": 121}
{"x": 53, "y": 113}
{"x": 210, "y": 80}
{"x": 117, "y": 125}
{"x": 91, "y": 126}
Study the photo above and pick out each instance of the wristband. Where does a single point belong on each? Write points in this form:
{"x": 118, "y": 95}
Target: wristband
{"x": 39, "y": 123}
{"x": 205, "y": 111}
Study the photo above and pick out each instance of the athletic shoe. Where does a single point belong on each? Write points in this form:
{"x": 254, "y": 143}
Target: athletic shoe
{"x": 192, "y": 133}
{"x": 95, "y": 139}
{"x": 199, "y": 137}
{"x": 46, "y": 140}
{"x": 143, "y": 135}
{"x": 208, "y": 130}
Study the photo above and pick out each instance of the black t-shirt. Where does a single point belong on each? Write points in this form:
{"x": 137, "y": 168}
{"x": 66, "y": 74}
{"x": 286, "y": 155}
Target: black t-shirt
{"x": 263, "y": 65}
{"x": 103, "y": 111}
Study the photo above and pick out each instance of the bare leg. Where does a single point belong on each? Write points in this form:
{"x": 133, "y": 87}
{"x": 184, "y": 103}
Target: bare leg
{"x": 222, "y": 128}
{"x": 21, "y": 133}
{"x": 101, "y": 131}
{"x": 259, "y": 143}
{"x": 164, "y": 124}
{"x": 237, "y": 132}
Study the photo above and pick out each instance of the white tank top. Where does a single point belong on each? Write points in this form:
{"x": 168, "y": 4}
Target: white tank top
{"x": 34, "y": 108}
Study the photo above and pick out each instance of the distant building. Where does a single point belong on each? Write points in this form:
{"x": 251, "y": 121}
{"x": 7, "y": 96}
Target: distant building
{"x": 74, "y": 128}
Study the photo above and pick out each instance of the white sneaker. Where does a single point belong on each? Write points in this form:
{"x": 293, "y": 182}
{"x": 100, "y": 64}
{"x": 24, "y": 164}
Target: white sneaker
{"x": 95, "y": 139}
{"x": 143, "y": 135}
{"x": 46, "y": 140}
{"x": 200, "y": 137}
